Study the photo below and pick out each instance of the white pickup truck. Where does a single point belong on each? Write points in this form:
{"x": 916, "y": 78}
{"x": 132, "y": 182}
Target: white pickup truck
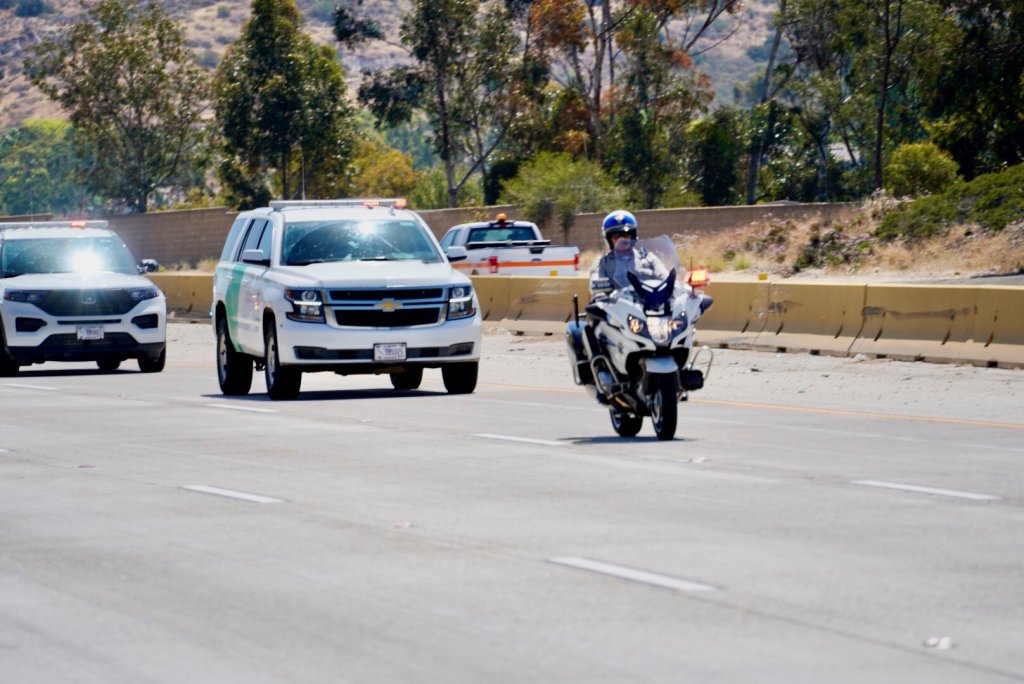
{"x": 503, "y": 247}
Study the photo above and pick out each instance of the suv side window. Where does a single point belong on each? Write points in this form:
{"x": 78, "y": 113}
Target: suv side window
{"x": 229, "y": 252}
{"x": 259, "y": 237}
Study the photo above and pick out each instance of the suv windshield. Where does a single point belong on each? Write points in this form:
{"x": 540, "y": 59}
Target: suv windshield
{"x": 65, "y": 255}
{"x": 311, "y": 242}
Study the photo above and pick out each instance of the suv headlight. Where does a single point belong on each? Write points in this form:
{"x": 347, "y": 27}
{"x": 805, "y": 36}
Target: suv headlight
{"x": 460, "y": 302}
{"x": 141, "y": 294}
{"x": 28, "y": 296}
{"x": 306, "y": 305}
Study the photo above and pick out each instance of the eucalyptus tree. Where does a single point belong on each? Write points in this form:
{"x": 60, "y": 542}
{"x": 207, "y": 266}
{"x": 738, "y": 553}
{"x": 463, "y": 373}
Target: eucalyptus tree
{"x": 460, "y": 76}
{"x": 133, "y": 92}
{"x": 282, "y": 110}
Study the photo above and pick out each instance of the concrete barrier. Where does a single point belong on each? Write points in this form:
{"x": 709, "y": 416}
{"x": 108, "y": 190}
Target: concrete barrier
{"x": 493, "y": 293}
{"x": 819, "y": 318}
{"x": 917, "y": 322}
{"x": 998, "y": 338}
{"x": 188, "y": 294}
{"x": 738, "y": 315}
{"x": 937, "y": 323}
{"x": 543, "y": 304}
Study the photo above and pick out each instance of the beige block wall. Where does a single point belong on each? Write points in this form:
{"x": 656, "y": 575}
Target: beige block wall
{"x": 173, "y": 237}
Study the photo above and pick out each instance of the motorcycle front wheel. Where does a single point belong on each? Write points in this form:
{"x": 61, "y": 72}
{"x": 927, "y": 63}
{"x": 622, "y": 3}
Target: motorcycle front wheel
{"x": 625, "y": 424}
{"x": 665, "y": 406}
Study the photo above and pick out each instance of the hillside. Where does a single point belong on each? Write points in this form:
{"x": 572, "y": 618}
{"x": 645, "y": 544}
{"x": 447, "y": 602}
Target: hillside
{"x": 211, "y": 25}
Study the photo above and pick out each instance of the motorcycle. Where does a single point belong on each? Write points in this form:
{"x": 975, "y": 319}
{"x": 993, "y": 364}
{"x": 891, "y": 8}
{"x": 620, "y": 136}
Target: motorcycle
{"x": 633, "y": 348}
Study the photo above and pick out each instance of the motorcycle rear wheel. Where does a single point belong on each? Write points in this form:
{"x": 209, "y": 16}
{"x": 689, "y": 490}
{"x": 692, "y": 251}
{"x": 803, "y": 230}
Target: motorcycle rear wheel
{"x": 625, "y": 424}
{"x": 665, "y": 406}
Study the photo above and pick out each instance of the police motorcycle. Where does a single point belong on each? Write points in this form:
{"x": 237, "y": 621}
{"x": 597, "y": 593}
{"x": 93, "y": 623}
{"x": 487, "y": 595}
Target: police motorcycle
{"x": 633, "y": 348}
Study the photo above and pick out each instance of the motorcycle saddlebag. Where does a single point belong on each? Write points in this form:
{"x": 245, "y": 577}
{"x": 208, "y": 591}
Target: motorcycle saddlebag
{"x": 574, "y": 331}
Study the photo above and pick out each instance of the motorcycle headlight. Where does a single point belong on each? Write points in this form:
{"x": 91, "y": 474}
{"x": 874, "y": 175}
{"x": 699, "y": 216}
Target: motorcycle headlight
{"x": 460, "y": 302}
{"x": 660, "y": 329}
{"x": 306, "y": 305}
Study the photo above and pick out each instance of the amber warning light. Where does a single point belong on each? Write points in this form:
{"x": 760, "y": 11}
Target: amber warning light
{"x": 699, "y": 277}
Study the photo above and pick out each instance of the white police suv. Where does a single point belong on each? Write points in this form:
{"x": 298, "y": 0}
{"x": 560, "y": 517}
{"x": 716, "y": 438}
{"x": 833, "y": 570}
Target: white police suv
{"x": 349, "y": 286}
{"x": 71, "y": 291}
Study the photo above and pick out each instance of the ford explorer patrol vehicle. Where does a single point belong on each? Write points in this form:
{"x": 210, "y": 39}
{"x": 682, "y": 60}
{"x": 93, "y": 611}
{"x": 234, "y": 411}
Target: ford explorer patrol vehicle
{"x": 349, "y": 286}
{"x": 71, "y": 291}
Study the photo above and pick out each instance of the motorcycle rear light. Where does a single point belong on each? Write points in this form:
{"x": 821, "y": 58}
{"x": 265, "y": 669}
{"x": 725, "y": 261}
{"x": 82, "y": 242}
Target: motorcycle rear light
{"x": 699, "y": 277}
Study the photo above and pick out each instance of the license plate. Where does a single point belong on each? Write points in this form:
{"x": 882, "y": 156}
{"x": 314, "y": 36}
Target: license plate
{"x": 90, "y": 332}
{"x": 389, "y": 352}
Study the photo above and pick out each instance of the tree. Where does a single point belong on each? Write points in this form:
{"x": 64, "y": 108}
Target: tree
{"x": 558, "y": 186}
{"x": 978, "y": 99}
{"x": 459, "y": 77}
{"x": 281, "y": 105}
{"x": 38, "y": 167}
{"x": 659, "y": 94}
{"x": 133, "y": 93}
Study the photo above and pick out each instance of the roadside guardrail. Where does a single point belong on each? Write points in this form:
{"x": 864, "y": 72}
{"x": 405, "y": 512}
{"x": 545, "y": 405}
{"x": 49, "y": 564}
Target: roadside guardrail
{"x": 980, "y": 325}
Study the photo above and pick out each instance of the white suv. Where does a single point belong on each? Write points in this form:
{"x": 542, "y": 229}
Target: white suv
{"x": 71, "y": 291}
{"x": 349, "y": 286}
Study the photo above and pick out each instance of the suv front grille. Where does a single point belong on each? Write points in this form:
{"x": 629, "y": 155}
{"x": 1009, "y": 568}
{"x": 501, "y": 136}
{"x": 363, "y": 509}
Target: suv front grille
{"x": 373, "y": 318}
{"x": 87, "y": 303}
{"x": 388, "y": 307}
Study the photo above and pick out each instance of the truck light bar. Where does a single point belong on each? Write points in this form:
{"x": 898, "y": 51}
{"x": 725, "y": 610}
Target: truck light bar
{"x": 394, "y": 203}
{"x": 75, "y": 223}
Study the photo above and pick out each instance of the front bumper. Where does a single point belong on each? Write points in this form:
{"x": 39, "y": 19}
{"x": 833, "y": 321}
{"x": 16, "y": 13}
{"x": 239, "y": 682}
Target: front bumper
{"x": 323, "y": 347}
{"x": 33, "y": 336}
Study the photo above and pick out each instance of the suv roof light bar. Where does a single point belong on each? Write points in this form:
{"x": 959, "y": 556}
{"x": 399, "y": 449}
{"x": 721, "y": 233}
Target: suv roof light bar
{"x": 76, "y": 223}
{"x": 394, "y": 203}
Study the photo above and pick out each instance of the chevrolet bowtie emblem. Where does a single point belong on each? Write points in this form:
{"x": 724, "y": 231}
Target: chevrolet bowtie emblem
{"x": 389, "y": 305}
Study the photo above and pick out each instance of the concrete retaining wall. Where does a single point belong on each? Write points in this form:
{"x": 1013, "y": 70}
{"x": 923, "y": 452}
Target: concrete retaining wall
{"x": 174, "y": 237}
{"x": 981, "y": 325}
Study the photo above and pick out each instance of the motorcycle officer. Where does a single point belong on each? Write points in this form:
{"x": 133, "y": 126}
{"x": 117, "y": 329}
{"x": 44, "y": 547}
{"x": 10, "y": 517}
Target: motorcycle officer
{"x": 609, "y": 271}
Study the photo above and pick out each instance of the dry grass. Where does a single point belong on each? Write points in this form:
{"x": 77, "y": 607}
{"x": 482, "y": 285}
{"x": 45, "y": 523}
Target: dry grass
{"x": 776, "y": 248}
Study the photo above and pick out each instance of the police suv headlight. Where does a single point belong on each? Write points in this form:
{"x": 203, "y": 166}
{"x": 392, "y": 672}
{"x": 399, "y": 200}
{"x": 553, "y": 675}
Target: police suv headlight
{"x": 460, "y": 302}
{"x": 28, "y": 296}
{"x": 306, "y": 305}
{"x": 141, "y": 294}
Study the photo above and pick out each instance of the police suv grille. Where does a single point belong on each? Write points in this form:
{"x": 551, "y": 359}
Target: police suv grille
{"x": 87, "y": 303}
{"x": 388, "y": 307}
{"x": 376, "y": 318}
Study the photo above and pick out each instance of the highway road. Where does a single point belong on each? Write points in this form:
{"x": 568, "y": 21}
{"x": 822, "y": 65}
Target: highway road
{"x": 816, "y": 520}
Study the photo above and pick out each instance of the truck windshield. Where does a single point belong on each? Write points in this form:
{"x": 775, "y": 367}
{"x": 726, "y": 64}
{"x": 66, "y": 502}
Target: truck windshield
{"x": 65, "y": 255}
{"x": 310, "y": 242}
{"x": 516, "y": 233}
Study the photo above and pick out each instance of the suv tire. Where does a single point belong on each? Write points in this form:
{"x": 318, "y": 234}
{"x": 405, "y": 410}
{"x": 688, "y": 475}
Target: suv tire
{"x": 283, "y": 382}
{"x": 8, "y": 368}
{"x": 153, "y": 364}
{"x": 409, "y": 379}
{"x": 234, "y": 369}
{"x": 460, "y": 378}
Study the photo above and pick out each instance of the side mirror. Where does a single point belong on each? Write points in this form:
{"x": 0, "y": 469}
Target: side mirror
{"x": 456, "y": 253}
{"x": 255, "y": 256}
{"x": 148, "y": 266}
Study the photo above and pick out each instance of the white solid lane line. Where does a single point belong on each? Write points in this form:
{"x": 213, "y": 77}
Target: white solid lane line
{"x": 926, "y": 490}
{"x": 34, "y": 387}
{"x": 526, "y": 440}
{"x": 245, "y": 496}
{"x": 632, "y": 574}
{"x": 251, "y": 409}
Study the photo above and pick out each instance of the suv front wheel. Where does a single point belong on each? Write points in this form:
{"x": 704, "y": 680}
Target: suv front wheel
{"x": 282, "y": 382}
{"x": 8, "y": 368}
{"x": 460, "y": 378}
{"x": 234, "y": 369}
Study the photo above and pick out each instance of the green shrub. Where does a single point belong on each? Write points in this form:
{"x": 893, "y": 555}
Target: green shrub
{"x": 919, "y": 169}
{"x": 991, "y": 201}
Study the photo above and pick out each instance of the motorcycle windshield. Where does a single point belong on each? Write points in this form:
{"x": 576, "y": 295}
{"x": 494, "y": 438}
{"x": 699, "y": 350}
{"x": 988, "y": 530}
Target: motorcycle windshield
{"x": 663, "y": 248}
{"x": 653, "y": 295}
